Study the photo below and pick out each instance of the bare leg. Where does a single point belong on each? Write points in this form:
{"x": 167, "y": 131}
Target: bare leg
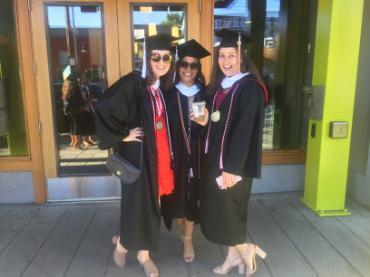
{"x": 146, "y": 262}
{"x": 188, "y": 240}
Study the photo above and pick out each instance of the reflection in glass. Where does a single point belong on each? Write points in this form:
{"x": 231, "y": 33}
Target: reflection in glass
{"x": 76, "y": 57}
{"x": 267, "y": 22}
{"x": 13, "y": 136}
{"x": 150, "y": 20}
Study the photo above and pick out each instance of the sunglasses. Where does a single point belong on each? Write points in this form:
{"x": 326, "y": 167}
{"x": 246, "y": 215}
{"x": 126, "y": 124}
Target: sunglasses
{"x": 193, "y": 66}
{"x": 167, "y": 58}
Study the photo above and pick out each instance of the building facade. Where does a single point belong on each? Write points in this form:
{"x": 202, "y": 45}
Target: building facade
{"x": 47, "y": 156}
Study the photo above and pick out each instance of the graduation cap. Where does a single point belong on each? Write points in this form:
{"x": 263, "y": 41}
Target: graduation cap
{"x": 230, "y": 38}
{"x": 156, "y": 42}
{"x": 193, "y": 49}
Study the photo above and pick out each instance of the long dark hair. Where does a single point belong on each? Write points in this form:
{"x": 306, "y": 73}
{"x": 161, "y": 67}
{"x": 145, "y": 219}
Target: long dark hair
{"x": 166, "y": 80}
{"x": 199, "y": 79}
{"x": 217, "y": 76}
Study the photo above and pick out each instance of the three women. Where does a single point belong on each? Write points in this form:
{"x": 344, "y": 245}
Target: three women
{"x": 232, "y": 145}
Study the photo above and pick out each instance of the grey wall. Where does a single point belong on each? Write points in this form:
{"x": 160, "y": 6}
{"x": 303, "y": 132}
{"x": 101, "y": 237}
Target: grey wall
{"x": 16, "y": 187}
{"x": 359, "y": 168}
{"x": 280, "y": 178}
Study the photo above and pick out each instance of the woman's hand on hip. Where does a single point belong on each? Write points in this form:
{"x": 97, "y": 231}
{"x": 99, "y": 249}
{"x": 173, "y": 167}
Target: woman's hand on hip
{"x": 135, "y": 135}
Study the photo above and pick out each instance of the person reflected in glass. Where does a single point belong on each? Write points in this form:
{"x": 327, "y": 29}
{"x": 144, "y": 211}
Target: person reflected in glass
{"x": 132, "y": 111}
{"x": 73, "y": 106}
{"x": 189, "y": 91}
{"x": 233, "y": 147}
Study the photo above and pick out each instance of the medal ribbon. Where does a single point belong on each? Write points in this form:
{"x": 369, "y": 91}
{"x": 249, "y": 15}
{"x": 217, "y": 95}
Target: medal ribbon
{"x": 226, "y": 125}
{"x": 186, "y": 137}
{"x": 163, "y": 105}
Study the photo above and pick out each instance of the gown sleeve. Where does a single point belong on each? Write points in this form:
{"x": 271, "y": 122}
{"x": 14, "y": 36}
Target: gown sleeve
{"x": 246, "y": 128}
{"x": 114, "y": 109}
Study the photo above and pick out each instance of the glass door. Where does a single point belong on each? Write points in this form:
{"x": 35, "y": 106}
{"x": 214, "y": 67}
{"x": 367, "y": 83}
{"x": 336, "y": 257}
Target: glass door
{"x": 153, "y": 17}
{"x": 92, "y": 43}
{"x": 76, "y": 60}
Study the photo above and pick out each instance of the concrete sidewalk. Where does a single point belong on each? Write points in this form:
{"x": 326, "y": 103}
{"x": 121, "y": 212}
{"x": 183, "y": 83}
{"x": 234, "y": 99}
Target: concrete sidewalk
{"x": 75, "y": 240}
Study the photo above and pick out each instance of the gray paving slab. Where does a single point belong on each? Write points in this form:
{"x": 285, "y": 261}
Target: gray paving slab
{"x": 13, "y": 222}
{"x": 93, "y": 255}
{"x": 75, "y": 240}
{"x": 343, "y": 240}
{"x": 308, "y": 240}
{"x": 57, "y": 253}
{"x": 20, "y": 252}
{"x": 283, "y": 258}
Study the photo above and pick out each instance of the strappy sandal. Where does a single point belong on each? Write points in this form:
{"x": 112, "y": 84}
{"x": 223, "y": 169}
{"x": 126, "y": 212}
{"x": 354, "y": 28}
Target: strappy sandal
{"x": 250, "y": 258}
{"x": 120, "y": 253}
{"x": 227, "y": 266}
{"x": 188, "y": 254}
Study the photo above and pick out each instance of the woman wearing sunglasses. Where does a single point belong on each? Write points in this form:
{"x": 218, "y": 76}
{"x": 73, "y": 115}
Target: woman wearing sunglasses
{"x": 188, "y": 92}
{"x": 132, "y": 111}
{"x": 233, "y": 146}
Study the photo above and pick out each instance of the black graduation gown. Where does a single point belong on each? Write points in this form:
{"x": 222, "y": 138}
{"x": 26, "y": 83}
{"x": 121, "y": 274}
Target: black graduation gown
{"x": 183, "y": 202}
{"x": 118, "y": 111}
{"x": 224, "y": 212}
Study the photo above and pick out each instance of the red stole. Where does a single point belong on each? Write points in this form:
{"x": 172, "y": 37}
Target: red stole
{"x": 164, "y": 170}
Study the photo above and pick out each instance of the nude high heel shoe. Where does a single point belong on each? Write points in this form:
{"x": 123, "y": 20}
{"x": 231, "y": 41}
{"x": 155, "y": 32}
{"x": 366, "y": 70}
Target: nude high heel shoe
{"x": 188, "y": 250}
{"x": 250, "y": 258}
{"x": 120, "y": 253}
{"x": 227, "y": 266}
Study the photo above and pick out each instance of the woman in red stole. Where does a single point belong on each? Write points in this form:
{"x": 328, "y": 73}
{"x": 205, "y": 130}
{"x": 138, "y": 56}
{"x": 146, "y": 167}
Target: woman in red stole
{"x": 132, "y": 111}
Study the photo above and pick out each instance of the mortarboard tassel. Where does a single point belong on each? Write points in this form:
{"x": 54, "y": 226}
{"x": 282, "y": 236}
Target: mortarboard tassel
{"x": 239, "y": 43}
{"x": 143, "y": 69}
{"x": 176, "y": 60}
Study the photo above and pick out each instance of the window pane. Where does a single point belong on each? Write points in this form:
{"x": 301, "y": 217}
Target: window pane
{"x": 268, "y": 22}
{"x": 75, "y": 37}
{"x": 149, "y": 20}
{"x": 13, "y": 135}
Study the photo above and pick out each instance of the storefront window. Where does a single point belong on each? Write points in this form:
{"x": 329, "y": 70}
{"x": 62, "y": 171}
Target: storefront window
{"x": 280, "y": 59}
{"x": 13, "y": 135}
{"x": 150, "y": 20}
{"x": 78, "y": 78}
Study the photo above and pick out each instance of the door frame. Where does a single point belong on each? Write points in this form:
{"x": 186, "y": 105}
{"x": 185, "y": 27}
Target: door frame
{"x": 41, "y": 56}
{"x": 115, "y": 14}
{"x": 125, "y": 19}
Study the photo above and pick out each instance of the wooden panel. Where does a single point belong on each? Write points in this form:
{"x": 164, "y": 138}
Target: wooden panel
{"x": 43, "y": 89}
{"x": 283, "y": 157}
{"x": 34, "y": 162}
{"x": 124, "y": 23}
{"x": 206, "y": 36}
{"x": 44, "y": 96}
{"x": 4, "y": 40}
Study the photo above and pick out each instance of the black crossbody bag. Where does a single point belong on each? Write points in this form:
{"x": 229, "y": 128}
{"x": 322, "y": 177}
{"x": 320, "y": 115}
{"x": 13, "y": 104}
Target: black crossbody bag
{"x": 123, "y": 169}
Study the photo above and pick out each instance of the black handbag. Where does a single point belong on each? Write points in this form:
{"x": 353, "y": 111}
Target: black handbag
{"x": 123, "y": 169}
